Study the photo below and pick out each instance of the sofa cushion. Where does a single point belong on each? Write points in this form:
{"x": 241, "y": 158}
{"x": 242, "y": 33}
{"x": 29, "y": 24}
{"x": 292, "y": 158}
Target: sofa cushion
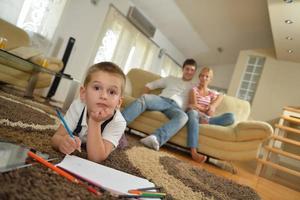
{"x": 127, "y": 100}
{"x": 139, "y": 78}
{"x": 15, "y": 36}
{"x": 225, "y": 133}
{"x": 13, "y": 76}
{"x": 128, "y": 87}
{"x": 240, "y": 108}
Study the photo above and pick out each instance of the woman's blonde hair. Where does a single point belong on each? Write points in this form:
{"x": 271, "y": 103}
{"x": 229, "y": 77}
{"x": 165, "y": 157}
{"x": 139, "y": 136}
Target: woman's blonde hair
{"x": 207, "y": 69}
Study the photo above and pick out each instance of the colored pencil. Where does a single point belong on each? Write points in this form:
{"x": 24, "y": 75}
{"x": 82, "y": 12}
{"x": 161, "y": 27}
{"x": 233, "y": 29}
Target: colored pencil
{"x": 149, "y": 188}
{"x": 64, "y": 123}
{"x": 138, "y": 192}
{"x": 66, "y": 126}
{"x": 138, "y": 196}
{"x": 62, "y": 172}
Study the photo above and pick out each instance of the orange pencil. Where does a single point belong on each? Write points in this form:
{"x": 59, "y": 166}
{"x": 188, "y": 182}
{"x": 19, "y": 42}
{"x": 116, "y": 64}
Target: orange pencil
{"x": 61, "y": 172}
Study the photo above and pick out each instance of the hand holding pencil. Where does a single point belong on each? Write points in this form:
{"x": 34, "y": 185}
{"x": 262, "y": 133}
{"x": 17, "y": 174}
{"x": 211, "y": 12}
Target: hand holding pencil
{"x": 69, "y": 143}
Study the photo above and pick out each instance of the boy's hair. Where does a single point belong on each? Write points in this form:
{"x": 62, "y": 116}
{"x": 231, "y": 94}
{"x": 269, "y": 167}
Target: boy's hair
{"x": 189, "y": 61}
{"x": 108, "y": 67}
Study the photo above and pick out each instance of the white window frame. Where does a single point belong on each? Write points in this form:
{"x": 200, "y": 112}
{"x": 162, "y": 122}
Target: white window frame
{"x": 251, "y": 77}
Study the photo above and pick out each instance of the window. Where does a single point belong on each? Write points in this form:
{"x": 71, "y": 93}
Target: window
{"x": 251, "y": 77}
{"x": 41, "y": 16}
{"x": 170, "y": 67}
{"x": 122, "y": 43}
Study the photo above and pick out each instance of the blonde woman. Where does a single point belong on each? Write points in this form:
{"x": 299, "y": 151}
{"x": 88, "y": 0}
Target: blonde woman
{"x": 202, "y": 106}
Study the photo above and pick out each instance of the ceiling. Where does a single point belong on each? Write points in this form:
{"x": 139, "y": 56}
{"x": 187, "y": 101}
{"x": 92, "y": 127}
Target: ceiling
{"x": 286, "y": 36}
{"x": 213, "y": 32}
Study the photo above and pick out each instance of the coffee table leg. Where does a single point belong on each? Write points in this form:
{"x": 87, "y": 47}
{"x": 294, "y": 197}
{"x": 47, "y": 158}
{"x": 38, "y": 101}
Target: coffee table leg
{"x": 31, "y": 85}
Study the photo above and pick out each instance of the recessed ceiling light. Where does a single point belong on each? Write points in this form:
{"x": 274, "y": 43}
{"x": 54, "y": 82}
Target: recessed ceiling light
{"x": 288, "y": 1}
{"x": 290, "y": 51}
{"x": 288, "y": 21}
{"x": 289, "y": 38}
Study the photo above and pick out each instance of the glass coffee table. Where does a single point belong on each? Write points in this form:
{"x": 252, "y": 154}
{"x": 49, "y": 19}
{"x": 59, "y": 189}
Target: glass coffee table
{"x": 10, "y": 60}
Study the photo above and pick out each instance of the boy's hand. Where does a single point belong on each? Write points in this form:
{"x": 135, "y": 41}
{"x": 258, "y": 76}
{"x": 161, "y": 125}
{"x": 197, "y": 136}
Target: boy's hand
{"x": 101, "y": 115}
{"x": 68, "y": 145}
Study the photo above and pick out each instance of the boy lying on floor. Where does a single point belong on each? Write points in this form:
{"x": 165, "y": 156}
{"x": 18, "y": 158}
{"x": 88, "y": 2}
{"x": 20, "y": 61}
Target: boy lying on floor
{"x": 95, "y": 119}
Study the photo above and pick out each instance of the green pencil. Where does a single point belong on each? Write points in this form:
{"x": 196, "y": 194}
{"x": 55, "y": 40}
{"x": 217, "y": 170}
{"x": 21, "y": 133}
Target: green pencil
{"x": 146, "y": 195}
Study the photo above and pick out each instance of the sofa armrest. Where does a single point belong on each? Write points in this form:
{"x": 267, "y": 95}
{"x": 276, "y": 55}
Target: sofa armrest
{"x": 246, "y": 130}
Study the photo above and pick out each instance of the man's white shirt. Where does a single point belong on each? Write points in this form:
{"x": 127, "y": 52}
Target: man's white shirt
{"x": 174, "y": 88}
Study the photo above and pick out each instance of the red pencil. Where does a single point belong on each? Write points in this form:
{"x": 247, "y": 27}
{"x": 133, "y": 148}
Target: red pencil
{"x": 62, "y": 172}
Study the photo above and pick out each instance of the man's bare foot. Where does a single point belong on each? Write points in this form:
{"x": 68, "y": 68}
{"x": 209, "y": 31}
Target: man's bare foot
{"x": 197, "y": 156}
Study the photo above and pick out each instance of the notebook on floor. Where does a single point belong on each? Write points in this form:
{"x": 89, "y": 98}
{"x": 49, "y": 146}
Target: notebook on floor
{"x": 107, "y": 178}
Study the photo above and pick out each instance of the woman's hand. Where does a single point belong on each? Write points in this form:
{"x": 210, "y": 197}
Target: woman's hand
{"x": 192, "y": 106}
{"x": 202, "y": 108}
{"x": 211, "y": 110}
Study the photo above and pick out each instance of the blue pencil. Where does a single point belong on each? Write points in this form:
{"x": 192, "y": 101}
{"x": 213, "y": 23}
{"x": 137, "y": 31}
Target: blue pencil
{"x": 64, "y": 123}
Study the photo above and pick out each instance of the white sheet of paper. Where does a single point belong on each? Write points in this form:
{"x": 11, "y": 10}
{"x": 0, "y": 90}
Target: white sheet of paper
{"x": 102, "y": 176}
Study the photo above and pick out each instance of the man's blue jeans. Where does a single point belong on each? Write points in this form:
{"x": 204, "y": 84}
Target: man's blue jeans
{"x": 177, "y": 116}
{"x": 193, "y": 125}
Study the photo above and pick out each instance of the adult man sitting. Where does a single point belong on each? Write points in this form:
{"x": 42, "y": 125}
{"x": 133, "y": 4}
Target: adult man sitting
{"x": 172, "y": 102}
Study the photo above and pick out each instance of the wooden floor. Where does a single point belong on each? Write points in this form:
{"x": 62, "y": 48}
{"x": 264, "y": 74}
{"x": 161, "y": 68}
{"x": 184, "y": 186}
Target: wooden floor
{"x": 267, "y": 189}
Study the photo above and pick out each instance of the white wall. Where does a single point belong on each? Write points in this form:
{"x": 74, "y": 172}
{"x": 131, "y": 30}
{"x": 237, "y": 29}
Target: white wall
{"x": 222, "y": 75}
{"x": 83, "y": 21}
{"x": 278, "y": 85}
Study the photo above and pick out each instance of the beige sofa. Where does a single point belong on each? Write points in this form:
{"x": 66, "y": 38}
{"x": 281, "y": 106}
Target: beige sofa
{"x": 17, "y": 37}
{"x": 239, "y": 141}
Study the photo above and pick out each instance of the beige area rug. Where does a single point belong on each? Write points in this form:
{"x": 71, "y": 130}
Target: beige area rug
{"x": 28, "y": 123}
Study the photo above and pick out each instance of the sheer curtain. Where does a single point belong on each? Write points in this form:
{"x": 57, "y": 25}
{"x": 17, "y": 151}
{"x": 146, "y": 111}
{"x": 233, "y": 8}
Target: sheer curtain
{"x": 170, "y": 67}
{"x": 122, "y": 43}
{"x": 41, "y": 16}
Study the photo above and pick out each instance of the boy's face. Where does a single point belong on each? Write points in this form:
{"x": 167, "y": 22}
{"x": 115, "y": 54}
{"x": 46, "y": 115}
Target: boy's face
{"x": 103, "y": 92}
{"x": 188, "y": 72}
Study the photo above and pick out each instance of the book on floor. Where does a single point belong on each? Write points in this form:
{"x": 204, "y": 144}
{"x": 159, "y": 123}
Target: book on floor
{"x": 107, "y": 178}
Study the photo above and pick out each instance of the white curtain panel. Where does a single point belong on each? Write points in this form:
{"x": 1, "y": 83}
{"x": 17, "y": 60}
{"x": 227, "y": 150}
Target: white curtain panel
{"x": 41, "y": 16}
{"x": 169, "y": 67}
{"x": 122, "y": 43}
